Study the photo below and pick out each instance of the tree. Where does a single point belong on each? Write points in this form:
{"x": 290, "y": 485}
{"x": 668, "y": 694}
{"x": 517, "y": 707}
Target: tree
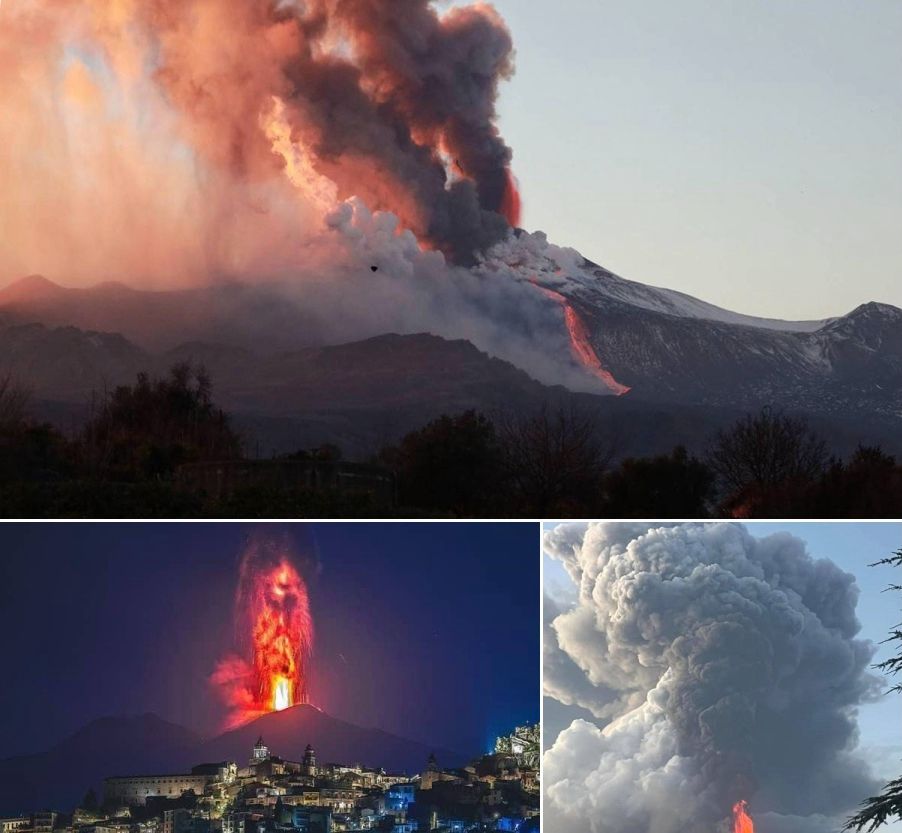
{"x": 869, "y": 485}
{"x": 13, "y": 402}
{"x": 879, "y": 809}
{"x": 668, "y": 486}
{"x": 554, "y": 464}
{"x": 147, "y": 429}
{"x": 28, "y": 450}
{"x": 763, "y": 452}
{"x": 451, "y": 465}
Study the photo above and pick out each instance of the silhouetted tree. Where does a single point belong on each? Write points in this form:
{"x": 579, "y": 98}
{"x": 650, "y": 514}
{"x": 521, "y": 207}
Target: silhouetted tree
{"x": 672, "y": 485}
{"x": 869, "y": 485}
{"x": 879, "y": 809}
{"x": 149, "y": 428}
{"x": 14, "y": 398}
{"x": 452, "y": 465}
{"x": 554, "y": 464}
{"x": 326, "y": 453}
{"x": 763, "y": 452}
{"x": 28, "y": 450}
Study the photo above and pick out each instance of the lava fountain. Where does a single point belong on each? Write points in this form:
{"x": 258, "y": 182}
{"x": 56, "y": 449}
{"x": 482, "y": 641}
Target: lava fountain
{"x": 742, "y": 821}
{"x": 275, "y": 627}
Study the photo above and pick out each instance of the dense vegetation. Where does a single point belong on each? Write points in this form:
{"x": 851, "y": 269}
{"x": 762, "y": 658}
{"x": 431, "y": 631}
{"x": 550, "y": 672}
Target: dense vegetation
{"x": 881, "y": 809}
{"x": 126, "y": 460}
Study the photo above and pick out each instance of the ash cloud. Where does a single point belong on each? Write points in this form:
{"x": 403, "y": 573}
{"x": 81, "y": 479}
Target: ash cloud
{"x": 390, "y": 100}
{"x": 291, "y": 146}
{"x": 719, "y": 667}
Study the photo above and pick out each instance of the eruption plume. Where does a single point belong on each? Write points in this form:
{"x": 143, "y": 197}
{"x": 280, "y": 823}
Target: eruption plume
{"x": 275, "y": 630}
{"x": 287, "y": 144}
{"x": 716, "y": 667}
{"x": 389, "y": 100}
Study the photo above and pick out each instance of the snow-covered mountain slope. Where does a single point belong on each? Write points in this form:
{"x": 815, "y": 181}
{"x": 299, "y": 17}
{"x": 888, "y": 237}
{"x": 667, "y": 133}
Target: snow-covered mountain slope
{"x": 667, "y": 346}
{"x": 657, "y": 299}
{"x": 568, "y": 272}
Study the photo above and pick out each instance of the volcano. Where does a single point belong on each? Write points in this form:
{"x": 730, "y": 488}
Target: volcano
{"x": 287, "y": 732}
{"x": 684, "y": 367}
{"x": 59, "y": 777}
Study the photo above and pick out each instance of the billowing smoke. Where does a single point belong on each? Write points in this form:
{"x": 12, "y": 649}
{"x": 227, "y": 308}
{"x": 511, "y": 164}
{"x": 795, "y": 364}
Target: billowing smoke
{"x": 274, "y": 634}
{"x": 387, "y": 99}
{"x": 718, "y": 667}
{"x": 344, "y": 152}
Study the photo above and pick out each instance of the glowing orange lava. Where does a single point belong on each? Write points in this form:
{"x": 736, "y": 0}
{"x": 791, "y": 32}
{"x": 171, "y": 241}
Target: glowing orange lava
{"x": 274, "y": 614}
{"x": 581, "y": 347}
{"x": 742, "y": 821}
{"x": 511, "y": 204}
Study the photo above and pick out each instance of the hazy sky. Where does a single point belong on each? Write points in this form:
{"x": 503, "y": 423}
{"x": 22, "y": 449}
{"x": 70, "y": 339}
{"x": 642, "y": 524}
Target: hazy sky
{"x": 749, "y": 153}
{"x": 853, "y": 546}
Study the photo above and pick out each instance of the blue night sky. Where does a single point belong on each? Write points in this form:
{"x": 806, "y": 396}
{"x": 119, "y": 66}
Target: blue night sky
{"x": 430, "y": 631}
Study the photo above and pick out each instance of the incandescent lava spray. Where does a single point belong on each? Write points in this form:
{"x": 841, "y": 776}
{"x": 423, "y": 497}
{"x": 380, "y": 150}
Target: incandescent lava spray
{"x": 274, "y": 634}
{"x": 742, "y": 821}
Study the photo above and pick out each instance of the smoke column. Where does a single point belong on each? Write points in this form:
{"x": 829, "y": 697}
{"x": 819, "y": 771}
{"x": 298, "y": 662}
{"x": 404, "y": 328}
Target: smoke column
{"x": 295, "y": 146}
{"x": 388, "y": 100}
{"x": 275, "y": 632}
{"x": 719, "y": 668}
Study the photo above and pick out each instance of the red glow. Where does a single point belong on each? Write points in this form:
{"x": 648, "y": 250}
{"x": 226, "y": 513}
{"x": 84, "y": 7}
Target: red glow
{"x": 273, "y": 615}
{"x": 742, "y": 821}
{"x": 581, "y": 346}
{"x": 511, "y": 204}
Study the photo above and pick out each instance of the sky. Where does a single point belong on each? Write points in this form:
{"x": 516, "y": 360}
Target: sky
{"x": 852, "y": 546}
{"x": 430, "y": 631}
{"x": 746, "y": 153}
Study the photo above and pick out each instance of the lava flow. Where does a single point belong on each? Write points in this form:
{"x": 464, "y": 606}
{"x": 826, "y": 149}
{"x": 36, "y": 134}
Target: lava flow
{"x": 273, "y": 616}
{"x": 742, "y": 821}
{"x": 580, "y": 345}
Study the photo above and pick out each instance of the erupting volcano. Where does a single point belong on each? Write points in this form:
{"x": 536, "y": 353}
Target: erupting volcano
{"x": 742, "y": 821}
{"x": 276, "y": 631}
{"x": 294, "y": 143}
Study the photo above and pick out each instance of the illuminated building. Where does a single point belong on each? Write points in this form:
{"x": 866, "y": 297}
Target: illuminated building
{"x": 398, "y": 797}
{"x": 433, "y": 774}
{"x": 11, "y": 825}
{"x": 311, "y": 819}
{"x": 523, "y": 744}
{"x": 177, "y": 821}
{"x": 309, "y": 761}
{"x": 136, "y": 789}
{"x": 223, "y": 772}
{"x": 261, "y": 751}
{"x": 43, "y": 822}
{"x": 238, "y": 823}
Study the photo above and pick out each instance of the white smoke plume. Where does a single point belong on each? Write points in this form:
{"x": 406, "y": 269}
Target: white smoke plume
{"x": 718, "y": 667}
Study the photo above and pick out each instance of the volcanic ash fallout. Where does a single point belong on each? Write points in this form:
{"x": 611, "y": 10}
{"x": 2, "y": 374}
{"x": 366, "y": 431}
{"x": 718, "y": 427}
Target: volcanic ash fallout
{"x": 723, "y": 673}
{"x": 274, "y": 633}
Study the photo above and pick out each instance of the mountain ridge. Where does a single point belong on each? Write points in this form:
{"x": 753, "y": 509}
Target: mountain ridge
{"x": 292, "y": 390}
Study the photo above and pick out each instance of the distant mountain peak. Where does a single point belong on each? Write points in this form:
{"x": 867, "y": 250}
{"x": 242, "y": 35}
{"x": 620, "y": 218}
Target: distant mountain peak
{"x": 872, "y": 308}
{"x": 30, "y": 288}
